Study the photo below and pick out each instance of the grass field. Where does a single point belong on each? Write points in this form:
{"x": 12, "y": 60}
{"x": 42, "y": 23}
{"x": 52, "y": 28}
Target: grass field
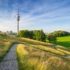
{"x": 5, "y": 45}
{"x": 36, "y": 58}
{"x": 36, "y": 55}
{"x": 64, "y": 41}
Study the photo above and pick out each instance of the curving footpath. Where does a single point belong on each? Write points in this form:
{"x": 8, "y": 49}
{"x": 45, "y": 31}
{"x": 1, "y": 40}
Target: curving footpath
{"x": 10, "y": 60}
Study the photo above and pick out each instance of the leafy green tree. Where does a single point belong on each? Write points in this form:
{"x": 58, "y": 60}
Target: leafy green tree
{"x": 31, "y": 34}
{"x": 39, "y": 35}
{"x": 36, "y": 34}
{"x": 60, "y": 33}
{"x": 24, "y": 33}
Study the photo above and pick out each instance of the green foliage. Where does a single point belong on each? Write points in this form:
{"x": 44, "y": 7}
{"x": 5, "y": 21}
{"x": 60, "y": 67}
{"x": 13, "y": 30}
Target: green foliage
{"x": 3, "y": 36}
{"x": 39, "y": 35}
{"x": 60, "y": 33}
{"x": 51, "y": 38}
{"x": 36, "y": 34}
{"x": 26, "y": 34}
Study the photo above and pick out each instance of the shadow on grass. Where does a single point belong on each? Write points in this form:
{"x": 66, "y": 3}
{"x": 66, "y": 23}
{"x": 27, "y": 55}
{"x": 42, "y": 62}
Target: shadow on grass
{"x": 65, "y": 44}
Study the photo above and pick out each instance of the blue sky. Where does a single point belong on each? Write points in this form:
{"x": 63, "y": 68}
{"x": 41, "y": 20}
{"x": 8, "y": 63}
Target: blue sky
{"x": 49, "y": 15}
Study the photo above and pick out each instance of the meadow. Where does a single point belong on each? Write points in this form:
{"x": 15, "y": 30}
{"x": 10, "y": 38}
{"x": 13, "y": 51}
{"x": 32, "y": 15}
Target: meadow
{"x": 37, "y": 55}
{"x": 33, "y": 58}
{"x": 64, "y": 41}
{"x": 5, "y": 44}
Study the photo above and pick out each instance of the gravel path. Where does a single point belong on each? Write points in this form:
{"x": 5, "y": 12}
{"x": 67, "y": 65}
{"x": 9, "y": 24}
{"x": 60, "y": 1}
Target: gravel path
{"x": 10, "y": 61}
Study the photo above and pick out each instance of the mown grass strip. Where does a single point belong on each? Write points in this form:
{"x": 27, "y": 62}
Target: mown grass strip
{"x": 31, "y": 41}
{"x": 48, "y": 49}
{"x": 64, "y": 41}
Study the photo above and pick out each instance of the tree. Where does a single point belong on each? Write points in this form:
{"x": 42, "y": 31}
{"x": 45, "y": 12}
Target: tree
{"x": 26, "y": 34}
{"x": 60, "y": 33}
{"x": 36, "y": 34}
{"x": 39, "y": 35}
{"x": 23, "y": 33}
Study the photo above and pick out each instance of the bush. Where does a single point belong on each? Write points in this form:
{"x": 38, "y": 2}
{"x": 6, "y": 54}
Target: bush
{"x": 51, "y": 38}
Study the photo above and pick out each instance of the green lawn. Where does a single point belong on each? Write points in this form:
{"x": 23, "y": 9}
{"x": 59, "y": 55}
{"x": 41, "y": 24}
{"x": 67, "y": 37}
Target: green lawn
{"x": 64, "y": 41}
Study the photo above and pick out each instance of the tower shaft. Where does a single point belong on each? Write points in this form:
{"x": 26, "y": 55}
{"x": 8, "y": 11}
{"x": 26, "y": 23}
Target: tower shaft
{"x": 18, "y": 19}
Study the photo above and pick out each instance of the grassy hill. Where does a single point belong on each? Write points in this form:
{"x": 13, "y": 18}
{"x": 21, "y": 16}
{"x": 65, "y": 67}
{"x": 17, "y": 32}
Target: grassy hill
{"x": 5, "y": 44}
{"x": 38, "y": 57}
{"x": 64, "y": 41}
{"x": 56, "y": 49}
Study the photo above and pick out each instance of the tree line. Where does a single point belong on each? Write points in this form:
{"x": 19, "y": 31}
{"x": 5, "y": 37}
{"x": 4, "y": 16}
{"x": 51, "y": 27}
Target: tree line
{"x": 41, "y": 36}
{"x": 35, "y": 34}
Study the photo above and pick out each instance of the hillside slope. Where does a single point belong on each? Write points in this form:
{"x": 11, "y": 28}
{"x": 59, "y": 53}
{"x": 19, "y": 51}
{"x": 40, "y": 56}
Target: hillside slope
{"x": 64, "y": 41}
{"x": 43, "y": 44}
{"x": 39, "y": 57}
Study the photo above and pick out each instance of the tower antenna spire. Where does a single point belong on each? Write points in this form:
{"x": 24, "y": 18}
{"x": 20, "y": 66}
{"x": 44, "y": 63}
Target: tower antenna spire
{"x": 18, "y": 19}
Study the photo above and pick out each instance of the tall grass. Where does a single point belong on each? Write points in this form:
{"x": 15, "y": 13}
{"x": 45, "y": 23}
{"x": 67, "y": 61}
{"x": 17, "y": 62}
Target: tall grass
{"x": 28, "y": 61}
{"x": 31, "y": 41}
{"x": 32, "y": 58}
{"x": 5, "y": 45}
{"x": 57, "y": 51}
{"x": 55, "y": 63}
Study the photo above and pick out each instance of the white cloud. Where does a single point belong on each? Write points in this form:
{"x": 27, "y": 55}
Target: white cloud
{"x": 46, "y": 14}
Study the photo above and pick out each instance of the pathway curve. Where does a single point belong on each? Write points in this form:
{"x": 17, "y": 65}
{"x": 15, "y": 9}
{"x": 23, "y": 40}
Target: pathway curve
{"x": 10, "y": 60}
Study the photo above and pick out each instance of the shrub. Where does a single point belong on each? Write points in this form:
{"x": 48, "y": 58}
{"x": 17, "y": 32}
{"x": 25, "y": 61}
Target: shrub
{"x": 51, "y": 38}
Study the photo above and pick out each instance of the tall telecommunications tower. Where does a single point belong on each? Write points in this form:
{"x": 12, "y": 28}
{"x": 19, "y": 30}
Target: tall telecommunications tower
{"x": 18, "y": 19}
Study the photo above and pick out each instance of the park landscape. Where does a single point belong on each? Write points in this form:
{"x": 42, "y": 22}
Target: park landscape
{"x": 37, "y": 55}
{"x": 34, "y": 35}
